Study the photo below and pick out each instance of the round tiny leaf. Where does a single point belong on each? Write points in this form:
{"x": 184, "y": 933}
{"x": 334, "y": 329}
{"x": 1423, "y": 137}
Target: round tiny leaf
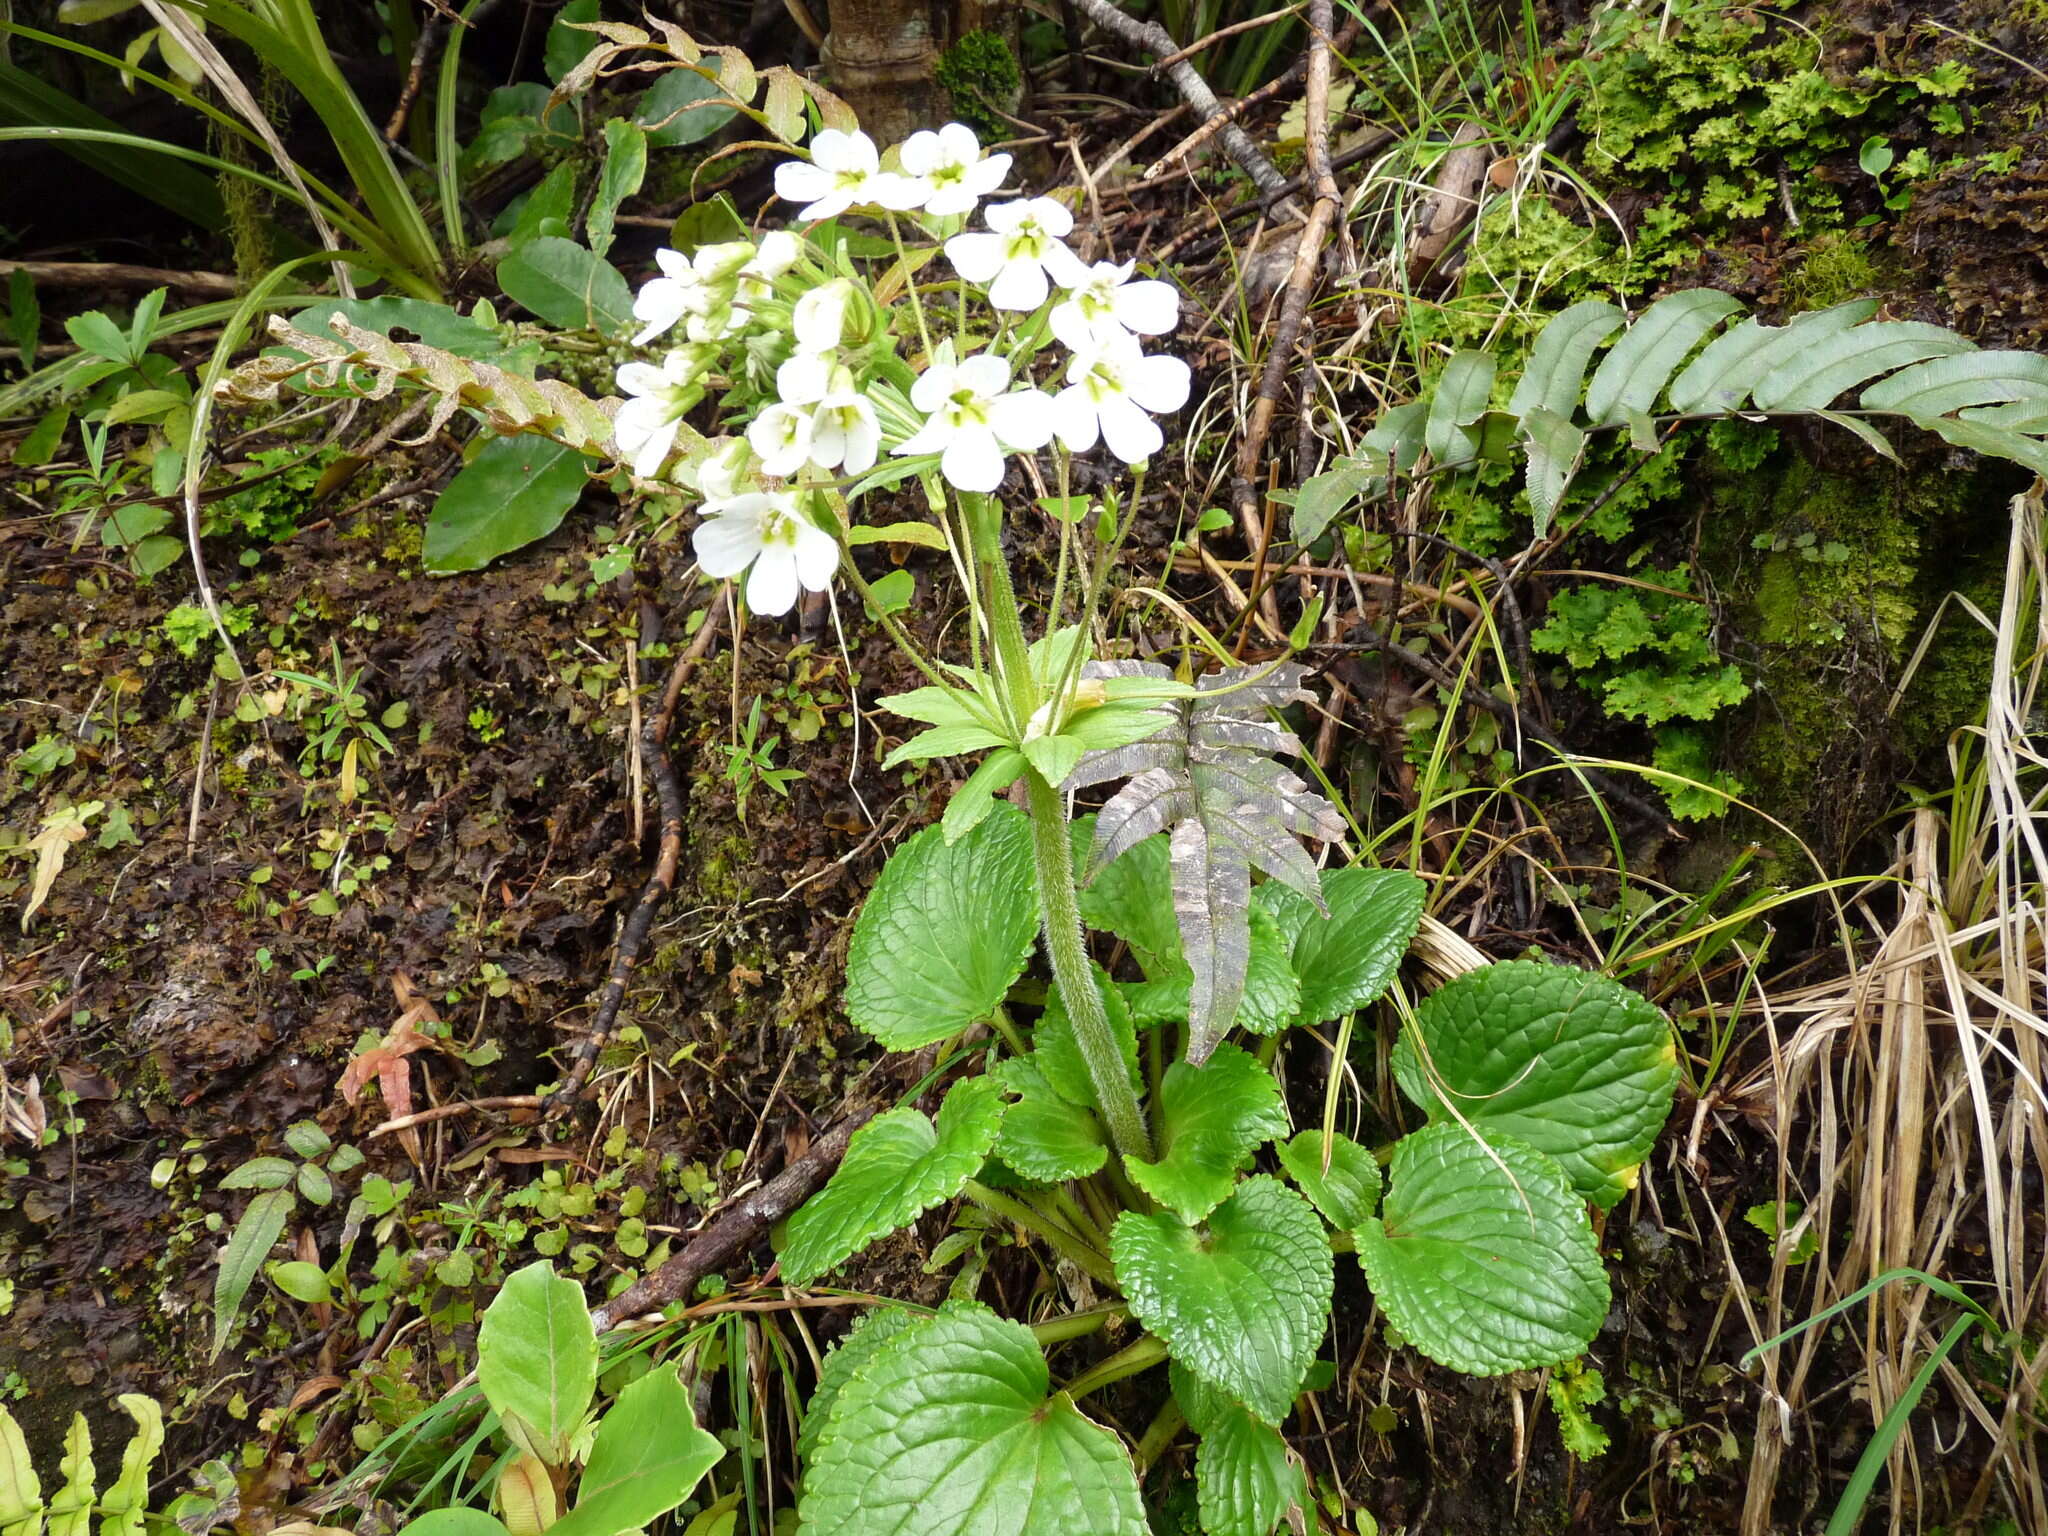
{"x": 898, "y": 1166}
{"x": 944, "y": 933}
{"x": 1345, "y": 1192}
{"x": 1483, "y": 1257}
{"x": 947, "y": 1430}
{"x": 1243, "y": 1305}
{"x": 1576, "y": 1065}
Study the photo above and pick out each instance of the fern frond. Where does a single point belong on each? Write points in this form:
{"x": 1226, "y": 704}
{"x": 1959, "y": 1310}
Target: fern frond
{"x": 1992, "y": 402}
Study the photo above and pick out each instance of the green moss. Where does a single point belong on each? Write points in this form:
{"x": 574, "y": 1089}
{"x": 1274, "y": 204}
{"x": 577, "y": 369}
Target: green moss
{"x": 983, "y": 77}
{"x": 1831, "y": 267}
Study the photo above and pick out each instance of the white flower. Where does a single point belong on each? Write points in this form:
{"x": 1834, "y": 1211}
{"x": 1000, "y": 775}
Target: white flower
{"x": 781, "y": 435}
{"x": 726, "y": 466}
{"x": 1109, "y": 390}
{"x": 844, "y": 431}
{"x": 701, "y": 288}
{"x": 950, "y": 165}
{"x": 1015, "y": 260}
{"x": 1107, "y": 304}
{"x": 972, "y": 422}
{"x": 645, "y": 429}
{"x": 844, "y": 170}
{"x": 777, "y": 253}
{"x": 819, "y": 318}
{"x": 764, "y": 529}
{"x": 805, "y": 378}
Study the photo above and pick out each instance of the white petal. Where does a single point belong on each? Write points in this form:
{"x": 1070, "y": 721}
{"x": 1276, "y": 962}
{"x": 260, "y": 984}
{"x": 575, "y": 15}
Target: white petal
{"x": 930, "y": 389}
{"x": 1150, "y": 308}
{"x": 1023, "y": 418}
{"x": 1073, "y": 417}
{"x": 803, "y": 379}
{"x": 1129, "y": 432}
{"x": 674, "y": 264}
{"x": 1052, "y": 217}
{"x": 976, "y": 257}
{"x": 830, "y": 206}
{"x": 901, "y": 193}
{"x": 972, "y": 461}
{"x": 1066, "y": 268}
{"x": 1159, "y": 384}
{"x": 641, "y": 378}
{"x": 984, "y": 177}
{"x": 984, "y": 373}
{"x": 778, "y": 253}
{"x": 947, "y": 201}
{"x": 932, "y": 437}
{"x": 921, "y": 153}
{"x": 863, "y": 443}
{"x": 1019, "y": 286}
{"x": 1071, "y": 326}
{"x": 817, "y": 557}
{"x": 771, "y": 590}
{"x": 835, "y": 150}
{"x": 961, "y": 146}
{"x": 726, "y": 545}
{"x": 659, "y": 305}
{"x": 1004, "y": 217}
{"x": 796, "y": 182}
{"x": 654, "y": 452}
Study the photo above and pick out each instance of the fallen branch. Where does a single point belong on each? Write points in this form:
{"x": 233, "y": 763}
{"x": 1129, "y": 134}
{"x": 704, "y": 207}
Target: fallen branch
{"x": 640, "y": 922}
{"x": 119, "y": 274}
{"x": 735, "y": 1228}
{"x": 1158, "y": 42}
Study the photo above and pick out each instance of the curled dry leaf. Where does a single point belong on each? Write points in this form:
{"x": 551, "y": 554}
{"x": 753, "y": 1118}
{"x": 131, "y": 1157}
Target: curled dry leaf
{"x": 387, "y": 1063}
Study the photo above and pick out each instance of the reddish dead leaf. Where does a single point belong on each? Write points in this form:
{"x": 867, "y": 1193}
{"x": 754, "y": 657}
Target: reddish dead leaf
{"x": 86, "y": 1083}
{"x": 386, "y": 1061}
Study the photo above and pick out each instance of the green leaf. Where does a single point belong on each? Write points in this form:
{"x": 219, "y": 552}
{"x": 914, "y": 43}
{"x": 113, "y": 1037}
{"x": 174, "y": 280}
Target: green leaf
{"x": 1347, "y": 1190}
{"x": 897, "y": 1166}
{"x": 566, "y": 44}
{"x": 944, "y": 933}
{"x": 924, "y": 535}
{"x": 1952, "y": 383}
{"x": 1554, "y": 445}
{"x": 1322, "y": 497}
{"x": 1557, "y": 363}
{"x": 1638, "y": 366}
{"x": 95, "y": 334}
{"x": 1132, "y": 897}
{"x": 1461, "y": 398}
{"x": 547, "y": 209}
{"x": 567, "y": 286}
{"x": 302, "y": 1282}
{"x": 1576, "y": 1065}
{"x": 21, "y": 1491}
{"x": 314, "y": 1184}
{"x": 1811, "y": 378}
{"x": 1244, "y": 1306}
{"x": 944, "y": 741}
{"x": 1211, "y": 1119}
{"x": 843, "y": 1364}
{"x": 261, "y": 1173}
{"x": 515, "y": 491}
{"x": 434, "y": 324}
{"x": 711, "y": 222}
{"x": 307, "y": 1139}
{"x": 536, "y": 1360}
{"x": 1053, "y": 756}
{"x": 123, "y": 1506}
{"x": 243, "y": 1254}
{"x": 1720, "y": 378}
{"x": 1045, "y": 1138}
{"x": 1980, "y": 438}
{"x": 1245, "y": 1482}
{"x": 1058, "y": 1054}
{"x": 973, "y": 800}
{"x": 24, "y": 316}
{"x": 1348, "y": 959}
{"x": 669, "y": 112}
{"x": 625, "y": 168}
{"x": 947, "y": 1430}
{"x": 1483, "y": 1257}
{"x": 649, "y": 1455}
{"x": 71, "y": 1506}
{"x": 454, "y": 1522}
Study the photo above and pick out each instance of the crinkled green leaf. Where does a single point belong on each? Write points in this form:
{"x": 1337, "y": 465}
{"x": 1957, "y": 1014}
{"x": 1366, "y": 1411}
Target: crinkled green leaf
{"x": 70, "y": 1510}
{"x": 1245, "y": 1482}
{"x": 1576, "y": 1065}
{"x": 1243, "y": 1304}
{"x": 1553, "y": 446}
{"x": 944, "y": 933}
{"x": 649, "y": 1455}
{"x": 947, "y": 1429}
{"x": 1348, "y": 959}
{"x": 1347, "y": 1190}
{"x": 21, "y": 1491}
{"x": 1058, "y": 1055}
{"x": 897, "y": 1166}
{"x": 1132, "y": 897}
{"x": 846, "y": 1360}
{"x": 1210, "y": 1119}
{"x": 1044, "y": 1137}
{"x": 1483, "y": 1256}
{"x": 536, "y": 1359}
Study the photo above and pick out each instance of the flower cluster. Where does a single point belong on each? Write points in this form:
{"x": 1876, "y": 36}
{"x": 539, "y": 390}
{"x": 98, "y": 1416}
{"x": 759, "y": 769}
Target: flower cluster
{"x": 787, "y": 325}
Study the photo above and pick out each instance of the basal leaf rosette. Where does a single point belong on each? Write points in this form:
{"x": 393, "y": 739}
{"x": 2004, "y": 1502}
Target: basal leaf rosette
{"x": 1243, "y": 1301}
{"x": 1574, "y": 1064}
{"x": 898, "y": 1166}
{"x": 947, "y": 1427}
{"x": 1482, "y": 1255}
{"x": 944, "y": 933}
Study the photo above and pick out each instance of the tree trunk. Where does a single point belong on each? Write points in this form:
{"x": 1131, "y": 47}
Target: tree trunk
{"x": 882, "y": 56}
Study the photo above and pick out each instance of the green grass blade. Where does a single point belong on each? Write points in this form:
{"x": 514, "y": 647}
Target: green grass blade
{"x": 1856, "y": 1492}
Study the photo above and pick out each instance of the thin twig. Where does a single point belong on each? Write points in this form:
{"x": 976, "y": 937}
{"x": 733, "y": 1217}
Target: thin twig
{"x": 199, "y": 774}
{"x": 422, "y": 50}
{"x": 460, "y": 1106}
{"x": 1249, "y": 24}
